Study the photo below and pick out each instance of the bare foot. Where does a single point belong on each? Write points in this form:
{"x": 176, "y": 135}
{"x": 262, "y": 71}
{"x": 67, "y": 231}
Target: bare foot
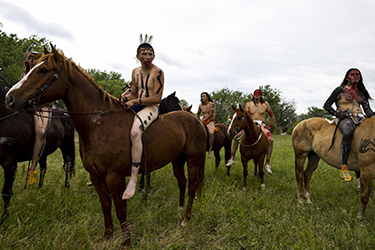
{"x": 209, "y": 155}
{"x": 89, "y": 184}
{"x": 129, "y": 191}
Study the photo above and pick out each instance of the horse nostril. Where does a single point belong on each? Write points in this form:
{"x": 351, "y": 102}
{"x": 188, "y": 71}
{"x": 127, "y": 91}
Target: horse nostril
{"x": 9, "y": 100}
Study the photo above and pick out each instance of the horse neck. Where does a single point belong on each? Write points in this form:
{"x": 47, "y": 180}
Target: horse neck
{"x": 82, "y": 99}
{"x": 251, "y": 129}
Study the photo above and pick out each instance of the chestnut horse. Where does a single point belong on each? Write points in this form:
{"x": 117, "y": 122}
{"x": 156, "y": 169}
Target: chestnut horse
{"x": 253, "y": 144}
{"x": 17, "y": 136}
{"x": 104, "y": 127}
{"x": 312, "y": 138}
{"x": 221, "y": 139}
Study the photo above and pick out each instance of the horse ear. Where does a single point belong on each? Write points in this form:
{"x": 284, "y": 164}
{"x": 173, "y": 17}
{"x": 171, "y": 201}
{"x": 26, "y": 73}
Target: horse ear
{"x": 189, "y": 108}
{"x": 56, "y": 54}
{"x": 45, "y": 50}
{"x": 174, "y": 93}
{"x": 233, "y": 107}
{"x": 240, "y": 107}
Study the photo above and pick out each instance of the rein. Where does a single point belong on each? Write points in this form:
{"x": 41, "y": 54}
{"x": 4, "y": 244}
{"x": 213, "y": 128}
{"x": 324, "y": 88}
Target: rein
{"x": 8, "y": 116}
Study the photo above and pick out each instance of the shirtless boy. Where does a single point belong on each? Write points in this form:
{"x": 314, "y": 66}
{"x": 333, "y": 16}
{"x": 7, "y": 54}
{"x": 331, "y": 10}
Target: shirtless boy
{"x": 145, "y": 96}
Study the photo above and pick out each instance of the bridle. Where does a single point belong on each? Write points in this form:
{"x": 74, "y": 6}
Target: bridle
{"x": 46, "y": 85}
{"x": 239, "y": 139}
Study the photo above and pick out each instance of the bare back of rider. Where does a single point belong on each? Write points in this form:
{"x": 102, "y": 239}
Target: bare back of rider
{"x": 146, "y": 90}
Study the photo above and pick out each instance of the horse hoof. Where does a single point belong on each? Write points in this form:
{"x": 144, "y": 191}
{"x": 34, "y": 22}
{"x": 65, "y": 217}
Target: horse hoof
{"x": 183, "y": 223}
{"x": 308, "y": 201}
{"x": 263, "y": 186}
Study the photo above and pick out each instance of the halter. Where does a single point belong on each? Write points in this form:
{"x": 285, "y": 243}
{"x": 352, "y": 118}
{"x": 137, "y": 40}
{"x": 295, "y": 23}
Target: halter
{"x": 239, "y": 139}
{"x": 46, "y": 85}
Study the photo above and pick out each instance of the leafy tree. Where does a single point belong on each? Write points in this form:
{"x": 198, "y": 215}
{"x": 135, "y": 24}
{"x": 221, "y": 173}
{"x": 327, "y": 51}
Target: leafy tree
{"x": 12, "y": 56}
{"x": 223, "y": 100}
{"x": 184, "y": 103}
{"x": 314, "y": 111}
{"x": 110, "y": 82}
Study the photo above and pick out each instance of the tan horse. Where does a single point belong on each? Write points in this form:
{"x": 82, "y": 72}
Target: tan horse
{"x": 253, "y": 144}
{"x": 313, "y": 137}
{"x": 104, "y": 130}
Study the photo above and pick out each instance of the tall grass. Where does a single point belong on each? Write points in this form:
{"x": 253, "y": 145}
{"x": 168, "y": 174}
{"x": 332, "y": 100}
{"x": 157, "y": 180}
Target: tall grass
{"x": 227, "y": 217}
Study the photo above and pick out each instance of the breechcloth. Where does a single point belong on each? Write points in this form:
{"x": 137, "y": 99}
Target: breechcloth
{"x": 268, "y": 132}
{"x": 147, "y": 115}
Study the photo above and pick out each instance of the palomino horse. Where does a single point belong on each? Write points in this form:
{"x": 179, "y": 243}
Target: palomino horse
{"x": 221, "y": 139}
{"x": 104, "y": 127}
{"x": 312, "y": 138}
{"x": 253, "y": 144}
{"x": 17, "y": 136}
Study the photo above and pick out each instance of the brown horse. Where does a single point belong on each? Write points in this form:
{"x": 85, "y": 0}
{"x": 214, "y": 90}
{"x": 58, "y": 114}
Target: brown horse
{"x": 104, "y": 130}
{"x": 312, "y": 138}
{"x": 221, "y": 139}
{"x": 253, "y": 144}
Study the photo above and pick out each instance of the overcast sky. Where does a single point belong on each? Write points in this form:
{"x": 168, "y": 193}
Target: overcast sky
{"x": 302, "y": 48}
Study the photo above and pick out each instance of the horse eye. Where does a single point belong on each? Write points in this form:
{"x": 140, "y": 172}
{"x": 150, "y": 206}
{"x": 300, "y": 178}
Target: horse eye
{"x": 43, "y": 71}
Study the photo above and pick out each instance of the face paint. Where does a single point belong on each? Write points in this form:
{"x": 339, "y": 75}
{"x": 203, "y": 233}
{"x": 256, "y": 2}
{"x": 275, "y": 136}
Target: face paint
{"x": 257, "y": 93}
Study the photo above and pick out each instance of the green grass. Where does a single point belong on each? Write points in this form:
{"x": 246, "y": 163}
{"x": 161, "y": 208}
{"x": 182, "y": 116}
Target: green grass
{"x": 227, "y": 217}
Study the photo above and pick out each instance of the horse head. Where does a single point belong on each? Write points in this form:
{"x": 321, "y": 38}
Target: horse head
{"x": 237, "y": 122}
{"x": 170, "y": 103}
{"x": 44, "y": 83}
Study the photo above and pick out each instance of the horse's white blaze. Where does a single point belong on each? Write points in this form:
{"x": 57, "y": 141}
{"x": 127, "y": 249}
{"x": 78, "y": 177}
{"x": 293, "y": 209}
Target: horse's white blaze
{"x": 231, "y": 122}
{"x": 24, "y": 79}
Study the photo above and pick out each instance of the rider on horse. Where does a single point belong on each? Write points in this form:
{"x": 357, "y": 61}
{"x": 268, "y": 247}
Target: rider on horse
{"x": 349, "y": 96}
{"x": 257, "y": 109}
{"x": 209, "y": 111}
{"x": 41, "y": 118}
{"x": 144, "y": 98}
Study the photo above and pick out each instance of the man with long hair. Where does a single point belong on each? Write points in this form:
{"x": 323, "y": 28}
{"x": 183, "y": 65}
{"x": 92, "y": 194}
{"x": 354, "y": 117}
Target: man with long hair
{"x": 257, "y": 109}
{"x": 208, "y": 110}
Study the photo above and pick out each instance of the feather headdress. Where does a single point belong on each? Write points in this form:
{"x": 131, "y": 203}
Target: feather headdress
{"x": 145, "y": 43}
{"x": 146, "y": 40}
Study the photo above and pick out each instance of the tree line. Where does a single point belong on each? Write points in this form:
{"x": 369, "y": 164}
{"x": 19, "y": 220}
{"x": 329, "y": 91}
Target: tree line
{"x": 12, "y": 59}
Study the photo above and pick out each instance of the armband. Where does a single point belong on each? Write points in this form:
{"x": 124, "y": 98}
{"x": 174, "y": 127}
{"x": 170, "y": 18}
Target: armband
{"x": 126, "y": 99}
{"x": 140, "y": 102}
{"x": 270, "y": 112}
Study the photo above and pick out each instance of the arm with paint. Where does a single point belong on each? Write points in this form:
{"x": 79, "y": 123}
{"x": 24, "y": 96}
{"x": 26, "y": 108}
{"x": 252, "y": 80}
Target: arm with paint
{"x": 332, "y": 99}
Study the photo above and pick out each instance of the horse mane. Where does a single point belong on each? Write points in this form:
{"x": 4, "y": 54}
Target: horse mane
{"x": 51, "y": 62}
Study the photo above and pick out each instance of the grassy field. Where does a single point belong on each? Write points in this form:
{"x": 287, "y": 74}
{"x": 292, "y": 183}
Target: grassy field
{"x": 228, "y": 217}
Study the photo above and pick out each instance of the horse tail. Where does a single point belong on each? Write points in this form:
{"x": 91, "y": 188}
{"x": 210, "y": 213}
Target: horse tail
{"x": 200, "y": 183}
{"x": 69, "y": 148}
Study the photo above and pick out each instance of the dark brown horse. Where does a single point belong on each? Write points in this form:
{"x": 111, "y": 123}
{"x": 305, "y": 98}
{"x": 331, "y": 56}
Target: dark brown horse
{"x": 104, "y": 130}
{"x": 221, "y": 139}
{"x": 17, "y": 136}
{"x": 253, "y": 144}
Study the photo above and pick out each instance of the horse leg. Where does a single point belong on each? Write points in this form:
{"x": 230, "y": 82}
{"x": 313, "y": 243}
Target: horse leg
{"x": 313, "y": 161}
{"x": 367, "y": 178}
{"x": 43, "y": 170}
{"x": 7, "y": 192}
{"x": 179, "y": 174}
{"x": 244, "y": 171}
{"x": 116, "y": 185}
{"x": 260, "y": 165}
{"x": 358, "y": 175}
{"x": 217, "y": 157}
{"x": 105, "y": 201}
{"x": 194, "y": 164}
{"x": 299, "y": 162}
